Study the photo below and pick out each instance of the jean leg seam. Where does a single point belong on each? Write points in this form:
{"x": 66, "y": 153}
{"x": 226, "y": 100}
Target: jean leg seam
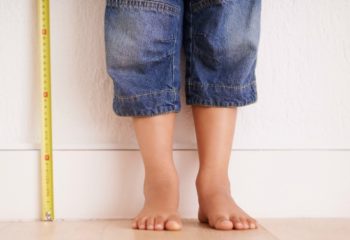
{"x": 122, "y": 98}
{"x": 235, "y": 87}
{"x": 141, "y": 113}
{"x": 173, "y": 64}
{"x": 191, "y": 44}
{"x": 154, "y": 114}
{"x": 229, "y": 104}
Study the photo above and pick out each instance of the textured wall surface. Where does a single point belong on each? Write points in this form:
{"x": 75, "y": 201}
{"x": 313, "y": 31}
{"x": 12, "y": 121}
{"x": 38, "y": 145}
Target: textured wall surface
{"x": 303, "y": 77}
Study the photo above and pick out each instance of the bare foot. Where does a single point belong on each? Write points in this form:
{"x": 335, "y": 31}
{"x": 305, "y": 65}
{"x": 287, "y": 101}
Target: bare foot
{"x": 161, "y": 203}
{"x": 217, "y": 207}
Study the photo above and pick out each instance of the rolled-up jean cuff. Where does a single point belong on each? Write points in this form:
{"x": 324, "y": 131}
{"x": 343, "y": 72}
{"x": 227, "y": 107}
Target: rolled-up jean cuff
{"x": 155, "y": 103}
{"x": 221, "y": 96}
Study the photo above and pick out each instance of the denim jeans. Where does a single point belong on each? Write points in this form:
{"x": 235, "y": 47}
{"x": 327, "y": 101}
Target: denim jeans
{"x": 143, "y": 40}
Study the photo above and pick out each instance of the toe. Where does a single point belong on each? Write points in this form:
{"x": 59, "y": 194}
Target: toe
{"x": 134, "y": 223}
{"x": 244, "y": 223}
{"x": 223, "y": 223}
{"x": 159, "y": 223}
{"x": 236, "y": 223}
{"x": 173, "y": 223}
{"x": 150, "y": 223}
{"x": 142, "y": 223}
{"x": 252, "y": 223}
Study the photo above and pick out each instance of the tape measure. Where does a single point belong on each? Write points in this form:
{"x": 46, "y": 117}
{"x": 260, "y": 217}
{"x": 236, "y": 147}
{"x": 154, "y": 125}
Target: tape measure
{"x": 47, "y": 201}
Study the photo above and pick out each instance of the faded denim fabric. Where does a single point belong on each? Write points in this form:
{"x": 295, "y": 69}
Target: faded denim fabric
{"x": 143, "y": 40}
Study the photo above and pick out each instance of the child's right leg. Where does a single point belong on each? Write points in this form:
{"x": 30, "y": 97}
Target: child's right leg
{"x": 161, "y": 187}
{"x": 143, "y": 41}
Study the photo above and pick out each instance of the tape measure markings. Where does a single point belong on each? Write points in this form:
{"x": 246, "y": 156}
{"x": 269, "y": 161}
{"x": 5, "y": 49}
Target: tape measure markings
{"x": 47, "y": 203}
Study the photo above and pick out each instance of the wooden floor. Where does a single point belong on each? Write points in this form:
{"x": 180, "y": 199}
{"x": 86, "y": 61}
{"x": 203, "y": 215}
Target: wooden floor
{"x": 285, "y": 229}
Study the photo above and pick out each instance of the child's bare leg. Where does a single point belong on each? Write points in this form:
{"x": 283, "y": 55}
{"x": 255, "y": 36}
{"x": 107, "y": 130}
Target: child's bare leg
{"x": 214, "y": 131}
{"x": 161, "y": 188}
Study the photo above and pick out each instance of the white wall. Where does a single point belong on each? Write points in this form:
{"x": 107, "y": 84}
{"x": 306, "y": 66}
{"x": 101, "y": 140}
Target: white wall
{"x": 291, "y": 149}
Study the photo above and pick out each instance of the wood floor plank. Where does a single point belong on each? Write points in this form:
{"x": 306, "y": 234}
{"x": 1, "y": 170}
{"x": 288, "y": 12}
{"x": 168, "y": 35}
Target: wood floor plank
{"x": 120, "y": 229}
{"x": 309, "y": 228}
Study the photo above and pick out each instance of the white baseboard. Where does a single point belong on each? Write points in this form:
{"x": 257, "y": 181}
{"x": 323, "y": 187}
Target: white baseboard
{"x": 108, "y": 184}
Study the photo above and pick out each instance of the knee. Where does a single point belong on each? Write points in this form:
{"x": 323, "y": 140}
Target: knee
{"x": 135, "y": 36}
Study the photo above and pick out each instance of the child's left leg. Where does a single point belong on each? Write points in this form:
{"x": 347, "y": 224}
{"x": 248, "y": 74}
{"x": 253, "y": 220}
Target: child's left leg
{"x": 221, "y": 43}
{"x": 214, "y": 132}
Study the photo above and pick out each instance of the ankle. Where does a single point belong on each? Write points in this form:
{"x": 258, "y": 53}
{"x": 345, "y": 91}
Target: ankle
{"x": 211, "y": 182}
{"x": 158, "y": 180}
{"x": 159, "y": 185}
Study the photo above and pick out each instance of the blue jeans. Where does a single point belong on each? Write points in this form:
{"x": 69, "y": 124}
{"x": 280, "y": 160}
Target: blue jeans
{"x": 143, "y": 40}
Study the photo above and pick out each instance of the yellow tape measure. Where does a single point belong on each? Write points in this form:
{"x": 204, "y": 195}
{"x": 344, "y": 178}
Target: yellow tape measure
{"x": 47, "y": 203}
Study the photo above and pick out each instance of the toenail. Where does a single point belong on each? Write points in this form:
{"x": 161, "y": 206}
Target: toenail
{"x": 174, "y": 225}
{"x": 226, "y": 221}
{"x": 252, "y": 225}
